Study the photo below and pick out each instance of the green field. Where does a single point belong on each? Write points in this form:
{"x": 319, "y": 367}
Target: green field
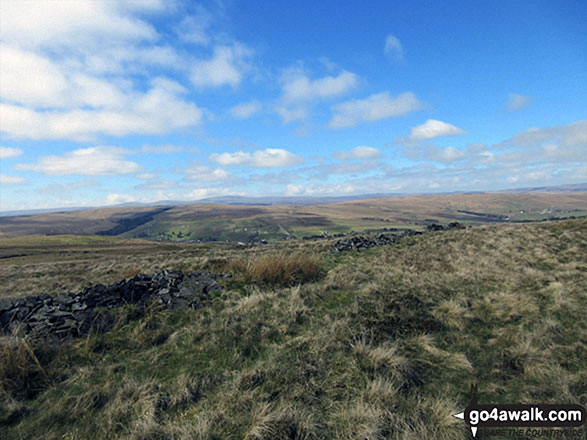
{"x": 384, "y": 344}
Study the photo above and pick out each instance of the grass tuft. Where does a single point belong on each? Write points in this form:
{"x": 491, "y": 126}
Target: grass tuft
{"x": 279, "y": 269}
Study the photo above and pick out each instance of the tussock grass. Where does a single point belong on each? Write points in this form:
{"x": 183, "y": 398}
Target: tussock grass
{"x": 384, "y": 346}
{"x": 22, "y": 374}
{"x": 279, "y": 269}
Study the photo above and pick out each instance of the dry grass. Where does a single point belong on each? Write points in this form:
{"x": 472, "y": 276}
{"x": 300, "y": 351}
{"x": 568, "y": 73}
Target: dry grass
{"x": 22, "y": 374}
{"x": 385, "y": 346}
{"x": 279, "y": 269}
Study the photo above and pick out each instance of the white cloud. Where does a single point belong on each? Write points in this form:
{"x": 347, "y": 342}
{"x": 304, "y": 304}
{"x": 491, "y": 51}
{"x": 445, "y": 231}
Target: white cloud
{"x": 201, "y": 193}
{"x": 154, "y": 112}
{"x": 433, "y": 129}
{"x": 27, "y": 78}
{"x": 36, "y": 81}
{"x": 77, "y": 71}
{"x": 360, "y": 152}
{"x": 450, "y": 154}
{"x": 517, "y": 102}
{"x": 298, "y": 87}
{"x": 116, "y": 199}
{"x": 74, "y": 24}
{"x": 289, "y": 115}
{"x": 9, "y": 152}
{"x": 245, "y": 110}
{"x": 571, "y": 135}
{"x": 313, "y": 189}
{"x": 393, "y": 48}
{"x": 226, "y": 67}
{"x": 203, "y": 173}
{"x": 268, "y": 158}
{"x": 294, "y": 190}
{"x": 10, "y": 180}
{"x": 194, "y": 29}
{"x": 161, "y": 149}
{"x": 93, "y": 161}
{"x": 373, "y": 108}
{"x": 146, "y": 176}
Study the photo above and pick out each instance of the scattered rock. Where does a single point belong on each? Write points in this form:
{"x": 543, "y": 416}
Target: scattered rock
{"x": 68, "y": 314}
{"x": 361, "y": 242}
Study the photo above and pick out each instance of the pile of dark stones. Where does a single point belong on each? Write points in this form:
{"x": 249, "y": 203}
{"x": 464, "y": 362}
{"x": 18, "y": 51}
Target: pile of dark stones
{"x": 362, "y": 242}
{"x": 433, "y": 227}
{"x": 73, "y": 314}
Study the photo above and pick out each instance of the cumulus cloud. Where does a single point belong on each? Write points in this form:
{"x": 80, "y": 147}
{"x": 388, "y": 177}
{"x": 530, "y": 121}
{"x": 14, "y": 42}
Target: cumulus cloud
{"x": 76, "y": 24}
{"x": 226, "y": 67}
{"x": 433, "y": 129}
{"x": 10, "y": 180}
{"x": 393, "y": 48}
{"x": 517, "y": 102}
{"x": 268, "y": 158}
{"x": 154, "y": 112}
{"x": 93, "y": 161}
{"x": 289, "y": 115}
{"x": 299, "y": 87}
{"x": 201, "y": 193}
{"x": 300, "y": 92}
{"x": 116, "y": 199}
{"x": 360, "y": 152}
{"x": 570, "y": 135}
{"x": 245, "y": 110}
{"x": 71, "y": 72}
{"x": 9, "y": 152}
{"x": 373, "y": 108}
{"x": 202, "y": 173}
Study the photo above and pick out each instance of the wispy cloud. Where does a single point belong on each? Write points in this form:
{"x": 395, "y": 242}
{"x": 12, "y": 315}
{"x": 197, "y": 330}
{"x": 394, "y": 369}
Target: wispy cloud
{"x": 9, "y": 152}
{"x": 154, "y": 112}
{"x": 202, "y": 173}
{"x": 300, "y": 92}
{"x": 373, "y": 108}
{"x": 517, "y": 102}
{"x": 393, "y": 48}
{"x": 246, "y": 110}
{"x": 227, "y": 66}
{"x": 93, "y": 161}
{"x": 571, "y": 135}
{"x": 268, "y": 158}
{"x": 161, "y": 149}
{"x": 11, "y": 180}
{"x": 360, "y": 152}
{"x": 299, "y": 87}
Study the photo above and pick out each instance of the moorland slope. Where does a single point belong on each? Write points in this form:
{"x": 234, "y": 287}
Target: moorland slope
{"x": 382, "y": 343}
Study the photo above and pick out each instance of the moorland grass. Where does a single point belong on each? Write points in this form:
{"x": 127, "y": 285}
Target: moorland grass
{"x": 385, "y": 345}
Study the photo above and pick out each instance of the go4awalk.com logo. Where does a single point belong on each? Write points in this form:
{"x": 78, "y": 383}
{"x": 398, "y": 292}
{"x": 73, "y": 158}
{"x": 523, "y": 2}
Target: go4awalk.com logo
{"x": 523, "y": 417}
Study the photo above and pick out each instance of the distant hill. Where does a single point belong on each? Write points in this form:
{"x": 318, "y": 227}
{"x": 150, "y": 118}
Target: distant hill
{"x": 560, "y": 189}
{"x": 298, "y": 201}
{"x": 247, "y": 222}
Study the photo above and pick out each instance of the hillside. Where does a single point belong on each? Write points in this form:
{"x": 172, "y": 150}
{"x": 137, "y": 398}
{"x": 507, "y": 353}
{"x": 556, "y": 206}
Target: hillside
{"x": 378, "y": 344}
{"x": 250, "y": 223}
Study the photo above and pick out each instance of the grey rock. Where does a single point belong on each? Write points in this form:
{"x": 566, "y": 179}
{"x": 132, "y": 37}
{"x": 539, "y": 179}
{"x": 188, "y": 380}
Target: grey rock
{"x": 70, "y": 315}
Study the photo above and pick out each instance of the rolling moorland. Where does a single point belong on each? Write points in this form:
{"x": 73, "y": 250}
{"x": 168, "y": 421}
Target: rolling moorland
{"x": 303, "y": 342}
{"x": 250, "y": 223}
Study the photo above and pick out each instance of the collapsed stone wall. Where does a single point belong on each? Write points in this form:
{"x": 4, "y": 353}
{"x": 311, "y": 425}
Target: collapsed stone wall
{"x": 73, "y": 314}
{"x": 362, "y": 242}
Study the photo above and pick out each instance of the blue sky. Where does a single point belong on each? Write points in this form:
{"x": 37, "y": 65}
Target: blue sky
{"x": 105, "y": 102}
